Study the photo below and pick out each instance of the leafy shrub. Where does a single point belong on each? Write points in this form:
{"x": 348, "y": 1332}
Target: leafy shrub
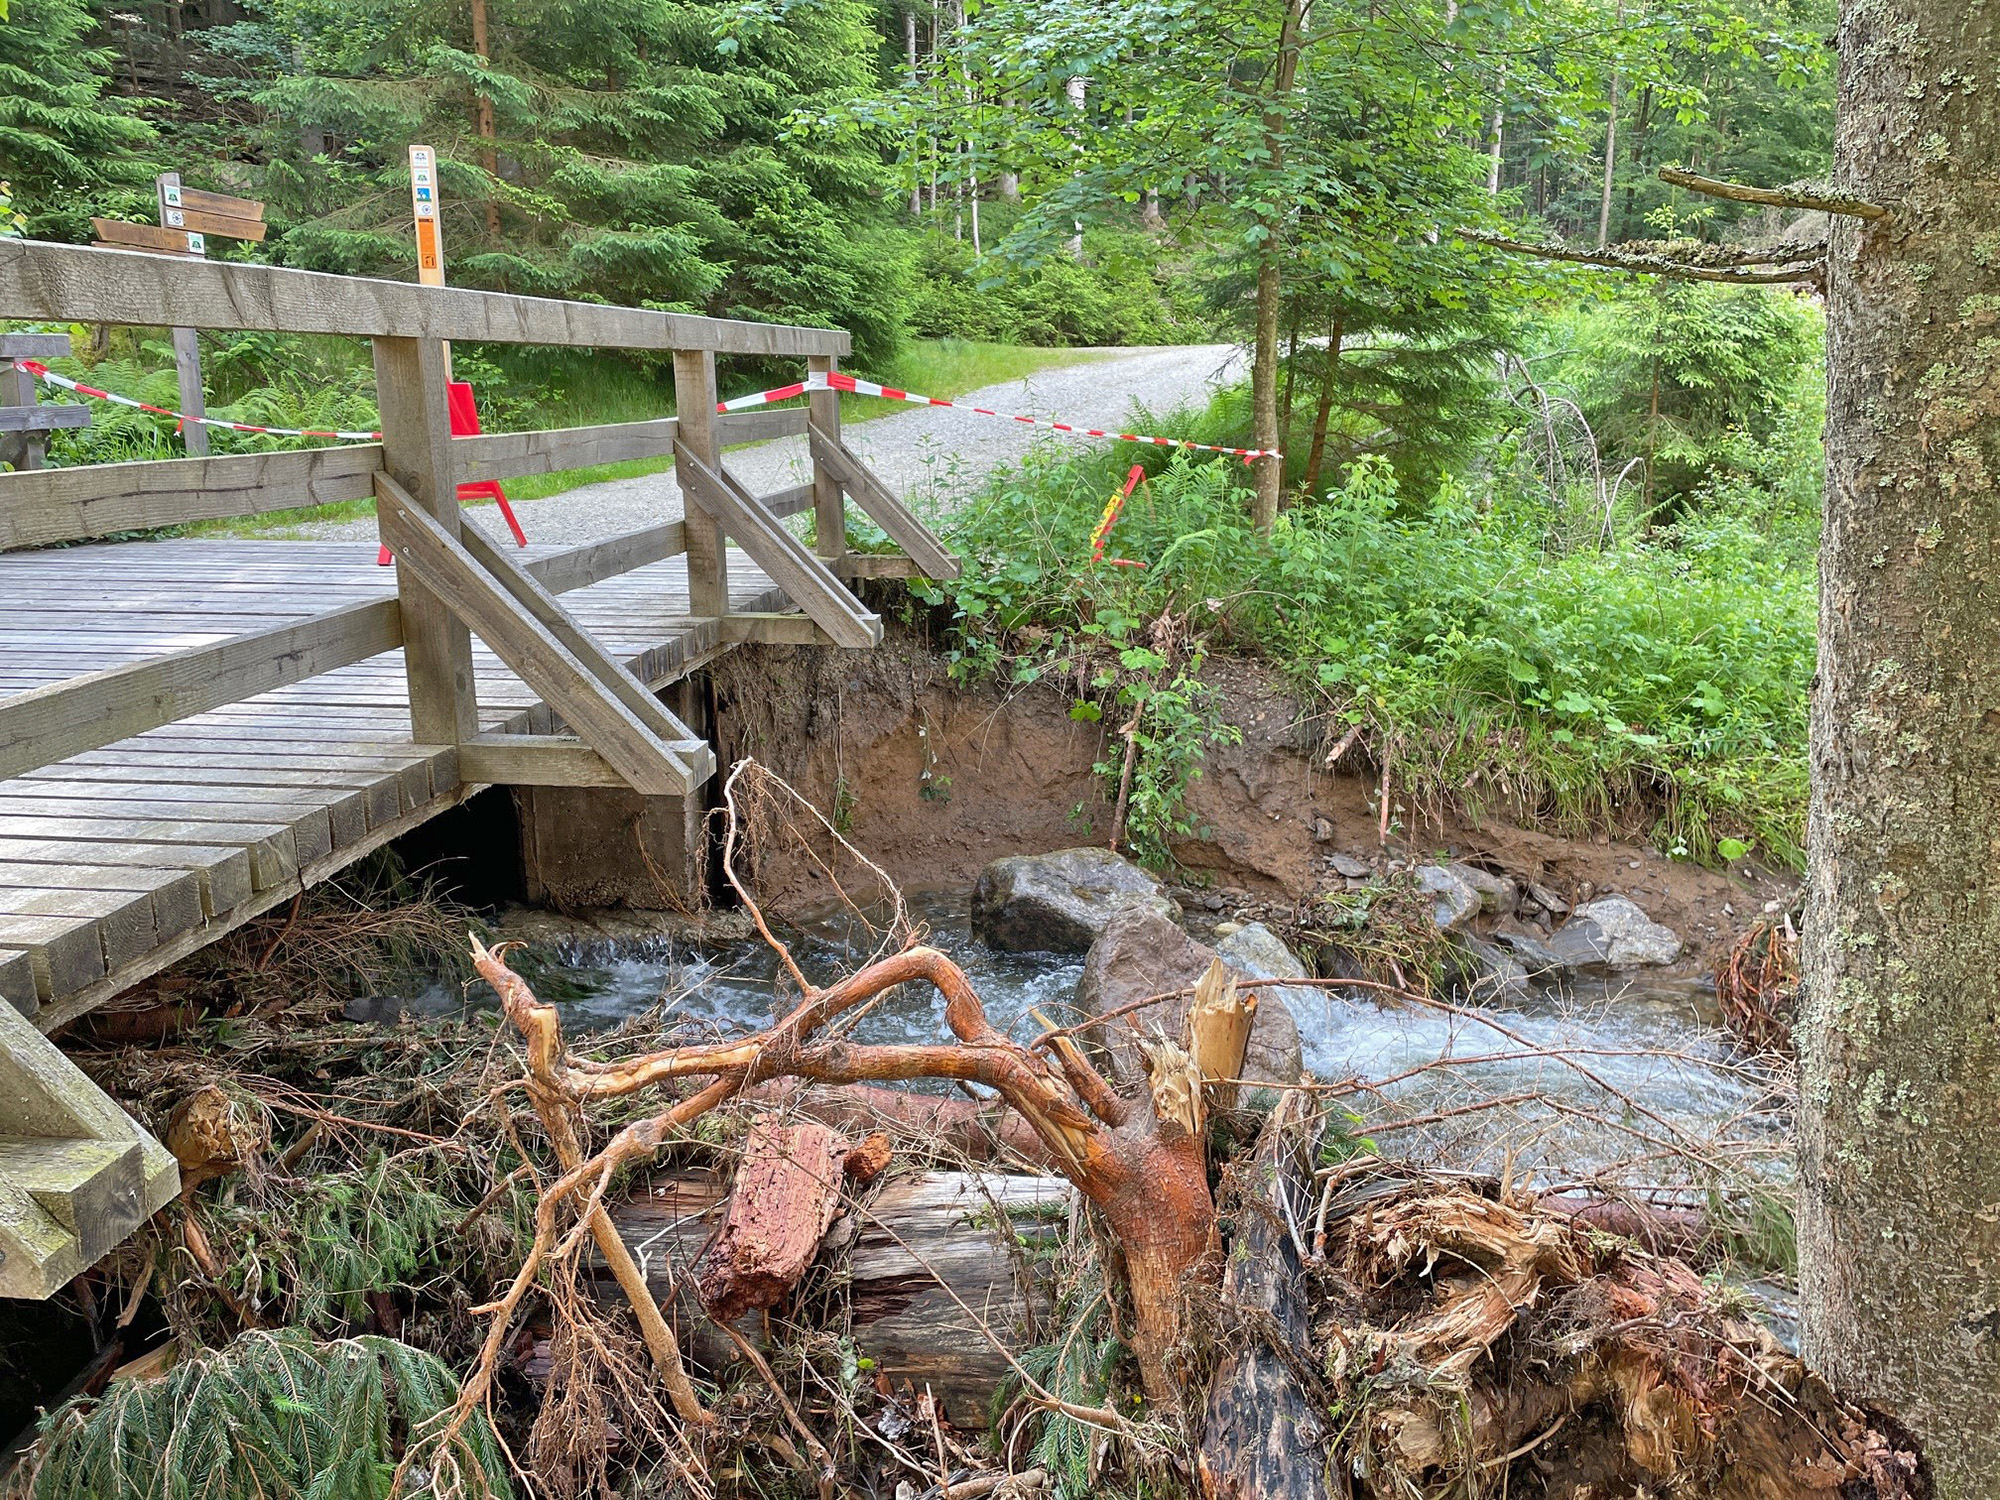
{"x": 1666, "y": 676}
{"x": 1717, "y": 388}
{"x": 1117, "y": 295}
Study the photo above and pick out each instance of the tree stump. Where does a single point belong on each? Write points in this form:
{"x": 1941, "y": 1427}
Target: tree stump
{"x": 1263, "y": 1438}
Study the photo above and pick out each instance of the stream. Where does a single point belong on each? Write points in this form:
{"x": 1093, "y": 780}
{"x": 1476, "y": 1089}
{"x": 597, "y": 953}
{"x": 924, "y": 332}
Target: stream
{"x": 1599, "y": 1079}
{"x": 1604, "y": 1070}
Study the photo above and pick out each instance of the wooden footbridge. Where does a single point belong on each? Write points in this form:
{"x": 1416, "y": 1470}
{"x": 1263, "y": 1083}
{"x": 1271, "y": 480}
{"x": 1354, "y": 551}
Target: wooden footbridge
{"x": 192, "y": 732}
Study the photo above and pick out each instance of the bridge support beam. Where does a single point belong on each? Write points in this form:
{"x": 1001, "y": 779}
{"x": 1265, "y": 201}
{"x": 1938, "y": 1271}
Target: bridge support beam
{"x": 586, "y": 847}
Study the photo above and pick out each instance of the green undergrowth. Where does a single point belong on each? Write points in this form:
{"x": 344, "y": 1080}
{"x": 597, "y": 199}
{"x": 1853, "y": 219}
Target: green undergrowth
{"x": 272, "y": 1414}
{"x": 1655, "y": 683}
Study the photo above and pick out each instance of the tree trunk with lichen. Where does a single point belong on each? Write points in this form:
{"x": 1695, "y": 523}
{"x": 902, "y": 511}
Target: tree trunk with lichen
{"x": 1899, "y": 1033}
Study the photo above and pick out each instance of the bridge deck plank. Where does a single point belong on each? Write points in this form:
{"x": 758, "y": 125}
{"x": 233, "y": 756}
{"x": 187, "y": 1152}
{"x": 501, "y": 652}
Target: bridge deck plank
{"x": 117, "y": 861}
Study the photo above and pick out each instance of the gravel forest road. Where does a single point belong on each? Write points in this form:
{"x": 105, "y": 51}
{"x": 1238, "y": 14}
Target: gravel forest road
{"x": 933, "y": 452}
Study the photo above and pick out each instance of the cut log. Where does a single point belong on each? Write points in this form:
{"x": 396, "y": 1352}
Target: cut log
{"x": 922, "y": 1252}
{"x": 1263, "y": 1438}
{"x": 786, "y": 1194}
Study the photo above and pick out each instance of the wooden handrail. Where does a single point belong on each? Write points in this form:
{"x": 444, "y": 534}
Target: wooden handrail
{"x": 63, "y": 719}
{"x": 449, "y": 581}
{"x": 78, "y": 284}
{"x": 44, "y": 506}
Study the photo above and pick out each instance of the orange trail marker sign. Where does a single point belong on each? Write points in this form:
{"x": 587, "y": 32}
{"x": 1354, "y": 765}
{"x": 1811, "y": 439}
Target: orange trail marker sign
{"x": 424, "y": 204}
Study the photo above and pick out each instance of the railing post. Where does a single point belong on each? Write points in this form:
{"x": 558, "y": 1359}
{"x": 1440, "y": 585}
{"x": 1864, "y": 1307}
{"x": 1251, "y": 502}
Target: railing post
{"x": 694, "y": 412}
{"x": 410, "y": 376}
{"x": 829, "y": 504}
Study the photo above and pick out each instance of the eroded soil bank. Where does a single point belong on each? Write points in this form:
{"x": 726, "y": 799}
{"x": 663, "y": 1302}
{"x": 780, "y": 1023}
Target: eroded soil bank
{"x": 933, "y": 780}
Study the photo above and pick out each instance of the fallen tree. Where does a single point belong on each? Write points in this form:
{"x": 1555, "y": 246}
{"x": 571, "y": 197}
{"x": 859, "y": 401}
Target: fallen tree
{"x": 1422, "y": 1339}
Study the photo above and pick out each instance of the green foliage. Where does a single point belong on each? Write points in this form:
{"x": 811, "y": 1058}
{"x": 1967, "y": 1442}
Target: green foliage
{"x": 1078, "y": 1364}
{"x": 666, "y": 155}
{"x": 1118, "y": 294}
{"x": 69, "y": 151}
{"x": 1665, "y": 676}
{"x": 1742, "y": 91}
{"x": 1718, "y": 389}
{"x": 385, "y": 1223}
{"x": 273, "y": 1416}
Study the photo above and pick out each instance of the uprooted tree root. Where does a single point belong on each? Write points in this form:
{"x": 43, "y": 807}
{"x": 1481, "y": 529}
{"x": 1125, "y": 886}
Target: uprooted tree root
{"x": 1438, "y": 1340}
{"x": 1758, "y": 985}
{"x": 1472, "y": 1347}
{"x": 1416, "y": 1335}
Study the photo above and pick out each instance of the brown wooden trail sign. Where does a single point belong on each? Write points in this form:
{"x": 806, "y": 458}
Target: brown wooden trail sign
{"x": 115, "y": 234}
{"x": 222, "y": 226}
{"x": 196, "y": 214}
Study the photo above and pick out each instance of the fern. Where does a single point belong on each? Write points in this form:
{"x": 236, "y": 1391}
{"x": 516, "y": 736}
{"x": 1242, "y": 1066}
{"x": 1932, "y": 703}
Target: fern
{"x": 1077, "y": 1365}
{"x": 274, "y": 1416}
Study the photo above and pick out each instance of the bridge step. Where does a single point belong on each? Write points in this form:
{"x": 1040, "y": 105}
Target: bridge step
{"x": 77, "y": 1174}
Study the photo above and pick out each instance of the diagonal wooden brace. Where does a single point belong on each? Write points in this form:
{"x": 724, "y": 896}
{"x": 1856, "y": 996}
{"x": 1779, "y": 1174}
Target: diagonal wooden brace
{"x": 882, "y": 505}
{"x": 613, "y": 673}
{"x": 600, "y": 714}
{"x": 805, "y": 578}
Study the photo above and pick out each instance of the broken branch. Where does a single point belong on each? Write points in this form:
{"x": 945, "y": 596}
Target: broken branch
{"x": 1648, "y": 264}
{"x": 1739, "y": 192}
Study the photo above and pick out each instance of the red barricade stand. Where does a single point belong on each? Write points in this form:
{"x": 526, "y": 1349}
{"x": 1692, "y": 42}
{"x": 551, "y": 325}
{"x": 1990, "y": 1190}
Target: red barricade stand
{"x": 465, "y": 423}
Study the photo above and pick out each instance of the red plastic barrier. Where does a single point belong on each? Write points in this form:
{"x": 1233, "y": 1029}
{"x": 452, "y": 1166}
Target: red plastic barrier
{"x": 465, "y": 423}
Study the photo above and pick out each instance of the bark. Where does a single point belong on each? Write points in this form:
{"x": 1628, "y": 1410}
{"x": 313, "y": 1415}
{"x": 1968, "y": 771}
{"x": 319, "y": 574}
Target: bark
{"x": 910, "y": 54}
{"x": 489, "y": 157}
{"x": 1323, "y": 413}
{"x": 1610, "y": 150}
{"x": 1495, "y": 152}
{"x": 1263, "y": 1438}
{"x": 1077, "y": 90}
{"x": 1264, "y": 397}
{"x": 1899, "y": 1034}
{"x": 1264, "y": 365}
{"x": 1291, "y": 374}
{"x": 787, "y": 1191}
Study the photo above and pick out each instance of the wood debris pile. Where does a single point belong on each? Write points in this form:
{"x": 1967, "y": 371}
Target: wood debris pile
{"x": 1469, "y": 1346}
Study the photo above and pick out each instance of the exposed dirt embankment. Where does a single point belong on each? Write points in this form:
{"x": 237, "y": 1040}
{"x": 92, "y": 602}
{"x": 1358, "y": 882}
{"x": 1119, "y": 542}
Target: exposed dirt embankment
{"x": 934, "y": 780}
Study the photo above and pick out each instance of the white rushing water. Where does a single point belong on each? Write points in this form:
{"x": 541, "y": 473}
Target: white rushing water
{"x": 1598, "y": 1074}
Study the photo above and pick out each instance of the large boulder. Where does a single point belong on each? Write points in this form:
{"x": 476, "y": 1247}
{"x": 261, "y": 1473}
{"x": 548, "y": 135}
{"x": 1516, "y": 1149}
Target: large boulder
{"x": 1061, "y": 902}
{"x": 1141, "y": 954}
{"x": 1256, "y": 952}
{"x": 1613, "y": 933}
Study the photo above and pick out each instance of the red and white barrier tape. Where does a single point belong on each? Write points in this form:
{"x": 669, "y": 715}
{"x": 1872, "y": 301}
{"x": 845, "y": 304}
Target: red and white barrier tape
{"x": 43, "y": 373}
{"x": 835, "y": 381}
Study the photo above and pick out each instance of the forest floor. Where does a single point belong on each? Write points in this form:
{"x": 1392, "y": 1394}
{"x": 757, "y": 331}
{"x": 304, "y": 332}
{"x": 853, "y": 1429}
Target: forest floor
{"x": 923, "y": 453}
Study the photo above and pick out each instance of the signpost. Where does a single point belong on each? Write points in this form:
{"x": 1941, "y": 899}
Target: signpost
{"x": 188, "y": 216}
{"x": 424, "y": 204}
{"x": 430, "y": 272}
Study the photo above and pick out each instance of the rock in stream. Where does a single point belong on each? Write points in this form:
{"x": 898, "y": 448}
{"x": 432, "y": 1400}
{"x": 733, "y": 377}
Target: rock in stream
{"x": 1061, "y": 902}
